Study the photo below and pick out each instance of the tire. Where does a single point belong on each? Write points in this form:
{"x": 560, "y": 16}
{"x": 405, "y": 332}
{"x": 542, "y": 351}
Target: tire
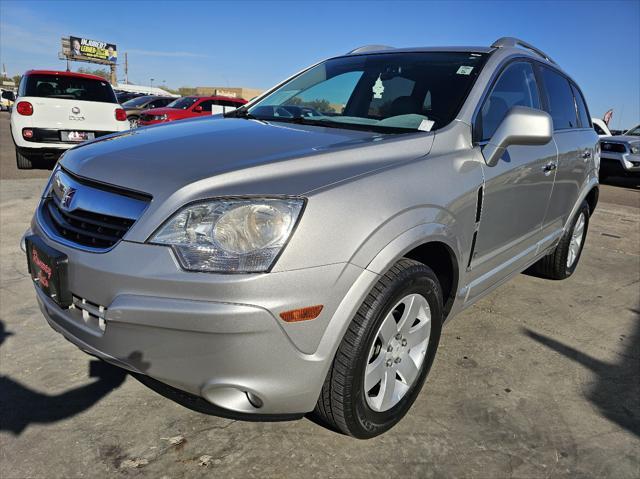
{"x": 557, "y": 264}
{"x": 345, "y": 404}
{"x": 133, "y": 121}
{"x": 23, "y": 162}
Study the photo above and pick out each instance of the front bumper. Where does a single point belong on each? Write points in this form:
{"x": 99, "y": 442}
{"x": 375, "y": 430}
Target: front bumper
{"x": 619, "y": 163}
{"x": 215, "y": 336}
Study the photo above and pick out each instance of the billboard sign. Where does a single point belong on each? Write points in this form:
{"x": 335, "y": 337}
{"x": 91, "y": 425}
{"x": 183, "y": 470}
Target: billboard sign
{"x": 86, "y": 49}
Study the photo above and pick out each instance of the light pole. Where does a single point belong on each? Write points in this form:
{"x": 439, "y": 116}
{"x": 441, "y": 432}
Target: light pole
{"x": 152, "y": 82}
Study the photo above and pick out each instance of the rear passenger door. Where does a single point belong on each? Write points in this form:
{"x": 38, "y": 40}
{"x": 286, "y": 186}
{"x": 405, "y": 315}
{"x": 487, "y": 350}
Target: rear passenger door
{"x": 575, "y": 140}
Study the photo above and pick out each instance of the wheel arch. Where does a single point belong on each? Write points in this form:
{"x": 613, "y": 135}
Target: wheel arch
{"x": 592, "y": 198}
{"x": 434, "y": 246}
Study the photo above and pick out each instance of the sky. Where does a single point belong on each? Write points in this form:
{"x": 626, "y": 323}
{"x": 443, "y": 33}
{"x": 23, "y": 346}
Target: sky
{"x": 258, "y": 44}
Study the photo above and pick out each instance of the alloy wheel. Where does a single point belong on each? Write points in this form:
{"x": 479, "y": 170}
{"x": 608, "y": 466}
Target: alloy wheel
{"x": 397, "y": 353}
{"x": 576, "y": 240}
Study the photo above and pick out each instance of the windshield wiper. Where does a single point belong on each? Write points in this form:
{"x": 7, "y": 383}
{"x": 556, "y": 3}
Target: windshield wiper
{"x": 301, "y": 120}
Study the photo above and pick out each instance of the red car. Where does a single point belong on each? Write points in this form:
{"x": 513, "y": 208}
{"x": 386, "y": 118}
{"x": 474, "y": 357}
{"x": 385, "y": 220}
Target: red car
{"x": 190, "y": 107}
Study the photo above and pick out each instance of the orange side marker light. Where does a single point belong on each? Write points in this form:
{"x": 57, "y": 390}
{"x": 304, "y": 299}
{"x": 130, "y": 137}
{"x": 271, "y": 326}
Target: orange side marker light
{"x": 302, "y": 314}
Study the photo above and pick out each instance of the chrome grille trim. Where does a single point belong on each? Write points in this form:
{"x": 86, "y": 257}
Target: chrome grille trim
{"x": 87, "y": 216}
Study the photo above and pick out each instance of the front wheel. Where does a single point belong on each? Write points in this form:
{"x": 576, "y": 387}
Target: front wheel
{"x": 386, "y": 353}
{"x": 133, "y": 122}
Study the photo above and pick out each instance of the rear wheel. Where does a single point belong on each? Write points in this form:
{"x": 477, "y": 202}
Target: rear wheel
{"x": 133, "y": 121}
{"x": 386, "y": 353}
{"x": 23, "y": 162}
{"x": 562, "y": 262}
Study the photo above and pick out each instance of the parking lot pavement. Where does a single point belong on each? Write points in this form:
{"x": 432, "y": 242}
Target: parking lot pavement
{"x": 540, "y": 379}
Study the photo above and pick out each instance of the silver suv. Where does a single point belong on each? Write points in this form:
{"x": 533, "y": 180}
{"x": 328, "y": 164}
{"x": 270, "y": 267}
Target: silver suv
{"x": 301, "y": 254}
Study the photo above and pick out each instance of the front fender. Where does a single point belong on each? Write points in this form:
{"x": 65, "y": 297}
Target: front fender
{"x": 412, "y": 238}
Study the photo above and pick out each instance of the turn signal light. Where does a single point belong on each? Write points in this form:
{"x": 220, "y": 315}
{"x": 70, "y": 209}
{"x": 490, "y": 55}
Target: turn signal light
{"x": 121, "y": 115}
{"x": 24, "y": 108}
{"x": 302, "y": 314}
{"x": 27, "y": 133}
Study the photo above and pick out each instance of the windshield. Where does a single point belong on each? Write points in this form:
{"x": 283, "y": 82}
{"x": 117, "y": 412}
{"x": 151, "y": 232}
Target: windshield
{"x": 139, "y": 101}
{"x": 384, "y": 92}
{"x": 182, "y": 103}
{"x": 634, "y": 131}
{"x": 68, "y": 87}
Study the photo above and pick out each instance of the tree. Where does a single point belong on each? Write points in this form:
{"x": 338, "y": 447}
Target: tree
{"x": 16, "y": 79}
{"x": 97, "y": 72}
{"x": 186, "y": 91}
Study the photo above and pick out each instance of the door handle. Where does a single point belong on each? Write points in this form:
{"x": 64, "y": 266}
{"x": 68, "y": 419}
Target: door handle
{"x": 549, "y": 167}
{"x": 586, "y": 155}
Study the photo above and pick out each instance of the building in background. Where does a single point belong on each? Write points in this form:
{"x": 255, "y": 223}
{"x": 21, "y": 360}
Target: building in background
{"x": 233, "y": 92}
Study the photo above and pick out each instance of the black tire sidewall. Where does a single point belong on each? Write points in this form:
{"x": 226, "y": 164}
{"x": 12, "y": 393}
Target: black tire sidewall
{"x": 421, "y": 280}
{"x": 584, "y": 209}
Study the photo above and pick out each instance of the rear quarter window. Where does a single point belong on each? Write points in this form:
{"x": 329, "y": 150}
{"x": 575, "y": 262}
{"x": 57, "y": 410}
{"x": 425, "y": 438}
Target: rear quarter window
{"x": 561, "y": 103}
{"x": 68, "y": 87}
{"x": 583, "y": 114}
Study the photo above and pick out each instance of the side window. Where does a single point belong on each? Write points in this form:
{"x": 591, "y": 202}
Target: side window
{"x": 163, "y": 101}
{"x": 206, "y": 105}
{"x": 561, "y": 103}
{"x": 583, "y": 115}
{"x": 599, "y": 130}
{"x": 516, "y": 87}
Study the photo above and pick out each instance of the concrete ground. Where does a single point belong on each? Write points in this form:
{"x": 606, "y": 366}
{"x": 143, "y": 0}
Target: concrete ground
{"x": 540, "y": 379}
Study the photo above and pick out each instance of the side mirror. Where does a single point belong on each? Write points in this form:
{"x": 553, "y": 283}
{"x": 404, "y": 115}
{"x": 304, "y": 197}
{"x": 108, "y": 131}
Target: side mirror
{"x": 521, "y": 126}
{"x": 198, "y": 109}
{"x": 8, "y": 95}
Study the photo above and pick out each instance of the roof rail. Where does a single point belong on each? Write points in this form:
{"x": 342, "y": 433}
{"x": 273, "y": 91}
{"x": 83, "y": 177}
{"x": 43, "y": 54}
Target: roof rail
{"x": 369, "y": 48}
{"x": 512, "y": 42}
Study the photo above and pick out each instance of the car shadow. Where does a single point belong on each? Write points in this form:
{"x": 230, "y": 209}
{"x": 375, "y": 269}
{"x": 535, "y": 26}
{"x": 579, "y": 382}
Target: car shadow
{"x": 21, "y": 406}
{"x": 622, "y": 182}
{"x": 616, "y": 391}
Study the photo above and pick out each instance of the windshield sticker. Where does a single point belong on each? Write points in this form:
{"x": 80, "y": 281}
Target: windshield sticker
{"x": 464, "y": 70}
{"x": 378, "y": 88}
{"x": 426, "y": 125}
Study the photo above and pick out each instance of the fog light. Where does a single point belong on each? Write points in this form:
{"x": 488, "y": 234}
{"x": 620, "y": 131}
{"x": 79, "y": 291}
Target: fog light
{"x": 27, "y": 133}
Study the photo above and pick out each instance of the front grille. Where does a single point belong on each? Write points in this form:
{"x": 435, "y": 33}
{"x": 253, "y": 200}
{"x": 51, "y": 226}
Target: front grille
{"x": 612, "y": 147}
{"x": 144, "y": 117}
{"x": 84, "y": 227}
{"x": 86, "y": 214}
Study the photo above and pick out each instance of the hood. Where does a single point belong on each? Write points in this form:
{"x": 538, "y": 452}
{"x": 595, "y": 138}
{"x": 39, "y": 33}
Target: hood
{"x": 621, "y": 139}
{"x": 206, "y": 157}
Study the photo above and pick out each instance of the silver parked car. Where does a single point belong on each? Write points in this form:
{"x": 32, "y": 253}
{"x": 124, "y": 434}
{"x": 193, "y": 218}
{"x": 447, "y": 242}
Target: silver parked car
{"x": 621, "y": 154}
{"x": 266, "y": 265}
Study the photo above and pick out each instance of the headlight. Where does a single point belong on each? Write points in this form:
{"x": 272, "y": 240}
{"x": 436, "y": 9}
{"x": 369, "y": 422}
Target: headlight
{"x": 160, "y": 117}
{"x": 635, "y": 149}
{"x": 230, "y": 235}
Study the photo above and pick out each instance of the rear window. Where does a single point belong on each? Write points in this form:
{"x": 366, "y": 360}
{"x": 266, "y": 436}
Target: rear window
{"x": 67, "y": 87}
{"x": 135, "y": 102}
